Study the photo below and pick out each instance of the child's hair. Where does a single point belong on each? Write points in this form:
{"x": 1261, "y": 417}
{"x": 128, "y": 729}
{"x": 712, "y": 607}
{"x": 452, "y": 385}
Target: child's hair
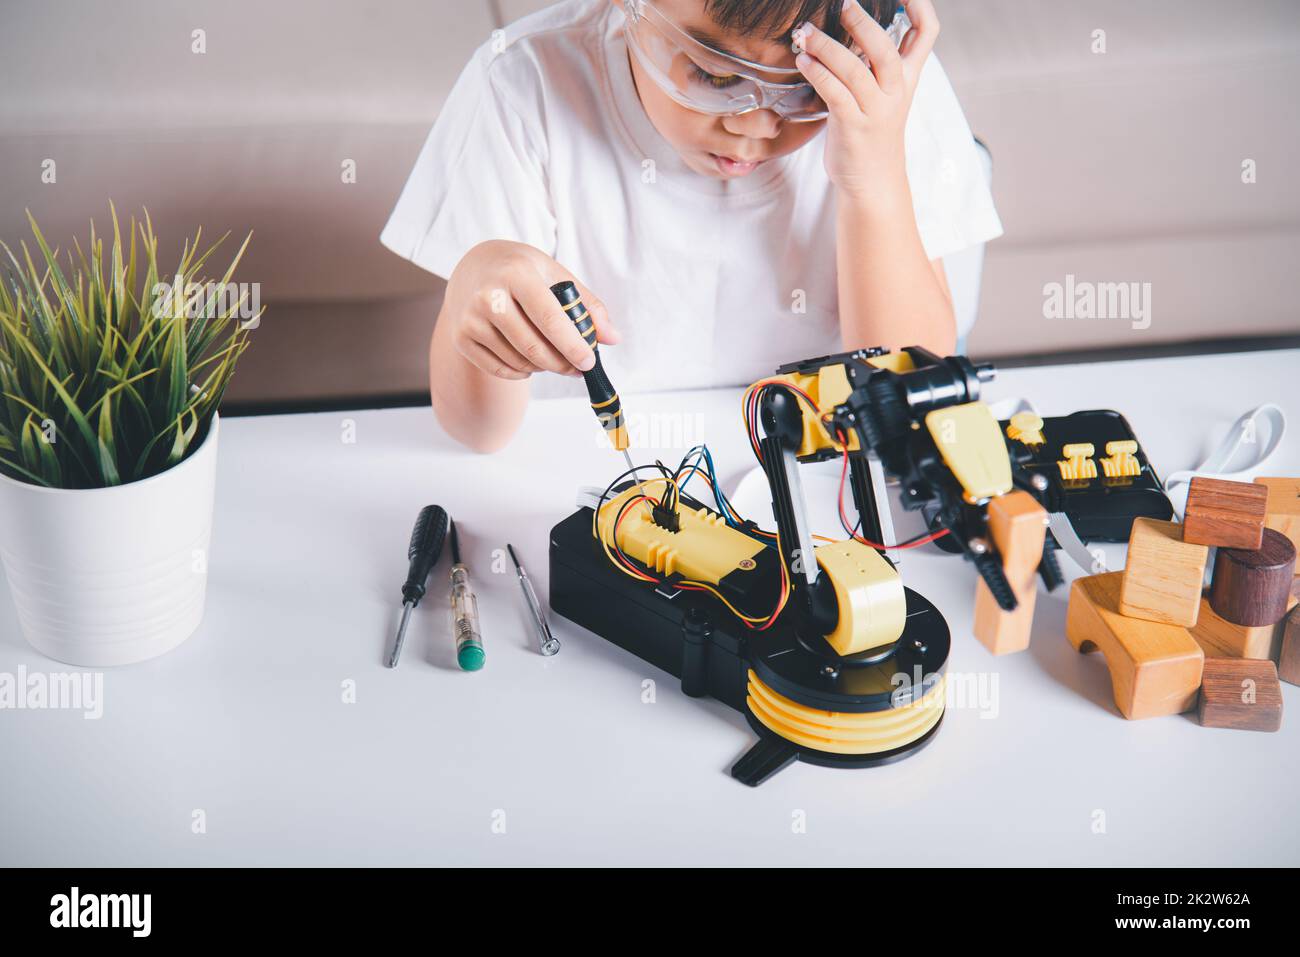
{"x": 775, "y": 18}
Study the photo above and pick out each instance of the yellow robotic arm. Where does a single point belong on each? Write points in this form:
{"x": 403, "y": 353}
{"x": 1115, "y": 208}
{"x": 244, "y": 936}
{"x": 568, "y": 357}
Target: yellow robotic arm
{"x": 910, "y": 415}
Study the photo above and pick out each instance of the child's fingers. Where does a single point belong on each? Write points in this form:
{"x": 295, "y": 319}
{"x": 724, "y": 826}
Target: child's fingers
{"x": 495, "y": 342}
{"x": 918, "y": 43}
{"x": 518, "y": 328}
{"x": 605, "y": 331}
{"x": 886, "y": 65}
{"x": 842, "y": 63}
{"x": 562, "y": 340}
{"x": 837, "y": 97}
{"x": 485, "y": 359}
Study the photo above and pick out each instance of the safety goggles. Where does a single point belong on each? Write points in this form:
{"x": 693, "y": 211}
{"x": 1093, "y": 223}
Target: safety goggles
{"x": 706, "y": 80}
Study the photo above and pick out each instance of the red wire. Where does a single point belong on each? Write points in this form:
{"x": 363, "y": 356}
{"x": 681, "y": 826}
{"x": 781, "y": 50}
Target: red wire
{"x": 844, "y": 472}
{"x": 618, "y": 553}
{"x": 751, "y": 410}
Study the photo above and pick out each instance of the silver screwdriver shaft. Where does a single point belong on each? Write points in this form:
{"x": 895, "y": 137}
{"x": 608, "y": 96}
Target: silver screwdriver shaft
{"x": 407, "y": 608}
{"x": 426, "y": 545}
{"x": 547, "y": 643}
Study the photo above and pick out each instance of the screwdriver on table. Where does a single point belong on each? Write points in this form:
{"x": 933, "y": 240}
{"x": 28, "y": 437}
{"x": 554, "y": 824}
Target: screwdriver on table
{"x": 604, "y": 400}
{"x": 464, "y": 607}
{"x": 547, "y": 643}
{"x": 426, "y": 545}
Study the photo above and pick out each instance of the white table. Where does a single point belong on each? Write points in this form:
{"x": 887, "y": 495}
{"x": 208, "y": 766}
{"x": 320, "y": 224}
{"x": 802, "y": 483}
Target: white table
{"x": 247, "y": 723}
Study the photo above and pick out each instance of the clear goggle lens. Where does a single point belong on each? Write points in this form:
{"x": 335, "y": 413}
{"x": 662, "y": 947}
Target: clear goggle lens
{"x": 708, "y": 81}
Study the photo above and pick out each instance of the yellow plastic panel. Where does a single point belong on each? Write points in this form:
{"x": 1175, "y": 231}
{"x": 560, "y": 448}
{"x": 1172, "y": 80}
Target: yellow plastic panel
{"x": 704, "y": 548}
{"x": 840, "y": 732}
{"x": 827, "y": 387}
{"x": 971, "y": 444}
{"x": 873, "y": 607}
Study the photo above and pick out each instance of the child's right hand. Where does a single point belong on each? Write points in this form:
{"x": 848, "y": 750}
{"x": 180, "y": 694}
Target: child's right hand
{"x": 505, "y": 320}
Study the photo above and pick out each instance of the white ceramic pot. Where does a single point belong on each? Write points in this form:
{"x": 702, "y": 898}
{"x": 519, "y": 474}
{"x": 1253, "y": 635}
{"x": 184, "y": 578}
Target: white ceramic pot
{"x": 109, "y": 576}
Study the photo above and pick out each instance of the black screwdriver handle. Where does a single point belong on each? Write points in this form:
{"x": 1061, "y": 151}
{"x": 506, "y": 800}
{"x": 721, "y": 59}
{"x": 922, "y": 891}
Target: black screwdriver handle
{"x": 426, "y": 545}
{"x": 604, "y": 399}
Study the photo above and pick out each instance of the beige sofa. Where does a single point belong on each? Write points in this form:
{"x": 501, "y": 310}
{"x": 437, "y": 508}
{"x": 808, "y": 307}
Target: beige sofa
{"x": 1122, "y": 166}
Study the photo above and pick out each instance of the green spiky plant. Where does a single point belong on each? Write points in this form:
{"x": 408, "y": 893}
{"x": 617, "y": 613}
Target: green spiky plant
{"x": 105, "y": 378}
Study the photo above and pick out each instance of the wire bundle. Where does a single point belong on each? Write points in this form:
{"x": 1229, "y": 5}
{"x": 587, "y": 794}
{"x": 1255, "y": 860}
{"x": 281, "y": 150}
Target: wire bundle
{"x": 697, "y": 460}
{"x": 752, "y": 403}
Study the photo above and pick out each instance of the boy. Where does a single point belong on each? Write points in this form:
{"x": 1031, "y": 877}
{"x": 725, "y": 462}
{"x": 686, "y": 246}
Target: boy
{"x": 728, "y": 184}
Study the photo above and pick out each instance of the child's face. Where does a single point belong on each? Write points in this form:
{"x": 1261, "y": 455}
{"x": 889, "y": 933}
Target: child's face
{"x": 725, "y": 147}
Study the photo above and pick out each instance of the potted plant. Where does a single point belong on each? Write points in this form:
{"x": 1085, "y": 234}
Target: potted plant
{"x": 111, "y": 372}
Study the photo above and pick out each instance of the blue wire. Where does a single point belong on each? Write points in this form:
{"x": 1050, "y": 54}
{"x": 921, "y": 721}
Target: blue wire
{"x": 693, "y": 458}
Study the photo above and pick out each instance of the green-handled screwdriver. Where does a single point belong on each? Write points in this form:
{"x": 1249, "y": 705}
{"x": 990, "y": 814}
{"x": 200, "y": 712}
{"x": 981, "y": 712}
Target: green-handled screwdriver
{"x": 426, "y": 545}
{"x": 604, "y": 399}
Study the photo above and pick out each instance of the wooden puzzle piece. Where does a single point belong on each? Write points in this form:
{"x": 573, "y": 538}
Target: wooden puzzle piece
{"x": 1282, "y": 510}
{"x": 1224, "y": 514}
{"x": 1163, "y": 575}
{"x": 1220, "y": 638}
{"x": 1252, "y": 586}
{"x": 1018, "y": 527}
{"x": 1288, "y": 659}
{"x": 1155, "y": 668}
{"x": 1240, "y": 693}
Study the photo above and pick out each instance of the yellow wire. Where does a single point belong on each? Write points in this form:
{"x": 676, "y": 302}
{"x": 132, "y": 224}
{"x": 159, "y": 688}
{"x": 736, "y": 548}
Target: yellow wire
{"x": 673, "y": 481}
{"x": 606, "y": 543}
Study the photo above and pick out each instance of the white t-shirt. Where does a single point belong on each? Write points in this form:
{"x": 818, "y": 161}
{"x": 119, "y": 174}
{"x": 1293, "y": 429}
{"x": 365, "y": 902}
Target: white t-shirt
{"x": 710, "y": 282}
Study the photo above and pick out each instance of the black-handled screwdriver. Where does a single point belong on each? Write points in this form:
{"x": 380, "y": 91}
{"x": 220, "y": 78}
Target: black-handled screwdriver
{"x": 604, "y": 399}
{"x": 426, "y": 545}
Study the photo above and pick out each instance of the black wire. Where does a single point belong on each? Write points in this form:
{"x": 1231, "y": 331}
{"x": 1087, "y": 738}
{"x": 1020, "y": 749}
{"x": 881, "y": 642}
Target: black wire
{"x": 632, "y": 471}
{"x": 668, "y": 500}
{"x": 659, "y": 580}
{"x": 854, "y": 532}
{"x": 669, "y": 496}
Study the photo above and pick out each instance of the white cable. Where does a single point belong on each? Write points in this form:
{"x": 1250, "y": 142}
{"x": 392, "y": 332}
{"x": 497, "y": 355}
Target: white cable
{"x": 1253, "y": 439}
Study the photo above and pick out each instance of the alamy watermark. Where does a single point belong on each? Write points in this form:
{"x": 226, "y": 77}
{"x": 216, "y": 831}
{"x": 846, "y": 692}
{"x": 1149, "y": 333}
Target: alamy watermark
{"x": 57, "y": 691}
{"x": 975, "y": 691}
{"x": 76, "y": 909}
{"x": 1081, "y": 299}
{"x": 658, "y": 430}
{"x": 207, "y": 300}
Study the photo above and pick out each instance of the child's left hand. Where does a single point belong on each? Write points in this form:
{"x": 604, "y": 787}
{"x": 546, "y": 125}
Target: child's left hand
{"x": 868, "y": 101}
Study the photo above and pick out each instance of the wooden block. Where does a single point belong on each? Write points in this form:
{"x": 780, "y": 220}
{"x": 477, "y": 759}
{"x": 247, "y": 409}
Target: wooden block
{"x": 1155, "y": 668}
{"x": 1225, "y": 514}
{"x": 1240, "y": 693}
{"x": 1018, "y": 527}
{"x": 1288, "y": 659}
{"x": 1163, "y": 575}
{"x": 1252, "y": 586}
{"x": 1220, "y": 638}
{"x": 1282, "y": 511}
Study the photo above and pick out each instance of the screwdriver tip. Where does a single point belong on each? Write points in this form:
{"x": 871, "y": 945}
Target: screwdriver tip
{"x": 513, "y": 557}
